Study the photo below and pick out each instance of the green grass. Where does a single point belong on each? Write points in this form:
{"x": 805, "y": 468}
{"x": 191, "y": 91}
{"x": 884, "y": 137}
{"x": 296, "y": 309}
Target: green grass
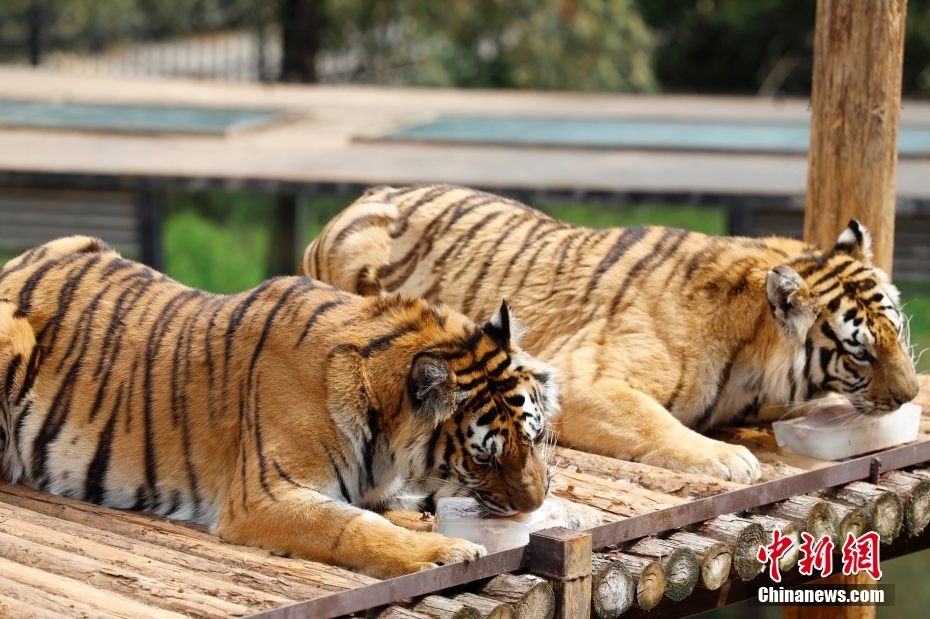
{"x": 219, "y": 242}
{"x": 697, "y": 218}
{"x": 915, "y": 297}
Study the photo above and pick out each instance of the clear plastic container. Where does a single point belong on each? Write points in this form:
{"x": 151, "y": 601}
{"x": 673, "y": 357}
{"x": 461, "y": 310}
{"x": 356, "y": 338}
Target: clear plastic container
{"x": 838, "y": 432}
{"x": 466, "y": 519}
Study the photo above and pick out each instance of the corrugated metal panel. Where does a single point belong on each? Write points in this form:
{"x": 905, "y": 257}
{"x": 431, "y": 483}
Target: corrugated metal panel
{"x": 30, "y": 217}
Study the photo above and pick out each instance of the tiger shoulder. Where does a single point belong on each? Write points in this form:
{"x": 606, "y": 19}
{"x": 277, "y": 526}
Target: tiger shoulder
{"x": 658, "y": 333}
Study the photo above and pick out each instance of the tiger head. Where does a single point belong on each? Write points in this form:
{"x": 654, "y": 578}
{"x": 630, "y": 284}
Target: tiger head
{"x": 844, "y": 316}
{"x": 495, "y": 402}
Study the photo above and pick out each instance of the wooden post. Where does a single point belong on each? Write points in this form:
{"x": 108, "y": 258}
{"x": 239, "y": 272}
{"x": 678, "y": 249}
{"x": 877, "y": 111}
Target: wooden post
{"x": 281, "y": 249}
{"x": 149, "y": 212}
{"x": 563, "y": 557}
{"x": 855, "y": 102}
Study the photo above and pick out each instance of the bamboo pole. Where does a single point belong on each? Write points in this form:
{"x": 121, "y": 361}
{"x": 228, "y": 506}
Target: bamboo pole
{"x": 855, "y": 103}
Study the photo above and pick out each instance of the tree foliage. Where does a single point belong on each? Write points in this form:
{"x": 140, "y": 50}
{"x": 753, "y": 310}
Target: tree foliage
{"x": 734, "y": 46}
{"x": 547, "y": 44}
{"x": 704, "y": 46}
{"x": 92, "y": 24}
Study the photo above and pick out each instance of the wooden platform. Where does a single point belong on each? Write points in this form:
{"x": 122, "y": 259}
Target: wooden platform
{"x": 64, "y": 558}
{"x": 61, "y": 557}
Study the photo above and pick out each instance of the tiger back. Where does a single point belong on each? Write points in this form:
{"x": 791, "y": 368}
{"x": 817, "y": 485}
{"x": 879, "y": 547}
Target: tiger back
{"x": 278, "y": 417}
{"x": 655, "y": 331}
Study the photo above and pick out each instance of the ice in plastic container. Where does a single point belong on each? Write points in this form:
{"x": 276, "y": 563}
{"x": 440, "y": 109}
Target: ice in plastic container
{"x": 466, "y": 519}
{"x": 838, "y": 432}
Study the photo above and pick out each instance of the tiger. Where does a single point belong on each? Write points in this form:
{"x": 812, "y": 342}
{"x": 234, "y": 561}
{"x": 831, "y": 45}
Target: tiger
{"x": 283, "y": 417}
{"x": 658, "y": 334}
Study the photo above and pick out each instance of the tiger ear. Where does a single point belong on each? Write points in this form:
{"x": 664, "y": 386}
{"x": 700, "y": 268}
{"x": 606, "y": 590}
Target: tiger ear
{"x": 432, "y": 386}
{"x": 504, "y": 328}
{"x": 792, "y": 303}
{"x": 856, "y": 241}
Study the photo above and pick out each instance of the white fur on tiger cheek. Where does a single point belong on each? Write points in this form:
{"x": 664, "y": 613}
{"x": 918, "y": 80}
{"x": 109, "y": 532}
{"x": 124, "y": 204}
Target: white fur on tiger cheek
{"x": 848, "y": 332}
{"x": 548, "y": 391}
{"x": 534, "y": 421}
{"x": 480, "y": 443}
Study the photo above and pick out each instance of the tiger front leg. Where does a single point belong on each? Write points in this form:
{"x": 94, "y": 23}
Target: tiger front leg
{"x": 618, "y": 421}
{"x": 308, "y": 524}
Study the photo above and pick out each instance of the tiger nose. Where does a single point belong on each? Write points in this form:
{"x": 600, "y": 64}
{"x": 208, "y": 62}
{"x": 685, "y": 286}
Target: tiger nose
{"x": 905, "y": 390}
{"x": 528, "y": 491}
{"x": 528, "y": 501}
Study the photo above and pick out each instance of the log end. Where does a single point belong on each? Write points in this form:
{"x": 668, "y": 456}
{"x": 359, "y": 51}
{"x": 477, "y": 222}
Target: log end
{"x": 682, "y": 571}
{"x": 822, "y": 520}
{"x": 854, "y": 522}
{"x": 715, "y": 568}
{"x": 651, "y": 586}
{"x": 789, "y": 560}
{"x": 917, "y": 512}
{"x": 613, "y": 591}
{"x": 887, "y": 516}
{"x": 745, "y": 559}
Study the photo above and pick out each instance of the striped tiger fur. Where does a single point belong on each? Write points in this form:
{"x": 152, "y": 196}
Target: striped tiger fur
{"x": 278, "y": 416}
{"x": 653, "y": 330}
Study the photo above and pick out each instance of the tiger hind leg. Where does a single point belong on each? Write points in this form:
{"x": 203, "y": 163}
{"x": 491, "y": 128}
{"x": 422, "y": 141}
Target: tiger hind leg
{"x": 19, "y": 362}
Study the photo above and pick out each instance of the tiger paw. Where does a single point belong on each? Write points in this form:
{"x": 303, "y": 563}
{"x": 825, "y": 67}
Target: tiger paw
{"x": 453, "y": 550}
{"x": 423, "y": 551}
{"x": 708, "y": 457}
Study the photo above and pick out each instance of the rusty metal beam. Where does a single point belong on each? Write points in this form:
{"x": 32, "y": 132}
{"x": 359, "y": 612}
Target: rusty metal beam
{"x": 430, "y": 581}
{"x": 761, "y": 494}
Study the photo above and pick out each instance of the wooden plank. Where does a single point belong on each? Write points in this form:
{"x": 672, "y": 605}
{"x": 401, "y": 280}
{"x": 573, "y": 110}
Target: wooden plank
{"x": 665, "y": 481}
{"x": 168, "y": 567}
{"x": 179, "y": 597}
{"x": 180, "y": 537}
{"x": 41, "y": 598}
{"x": 72, "y": 589}
{"x": 609, "y": 496}
{"x": 12, "y": 607}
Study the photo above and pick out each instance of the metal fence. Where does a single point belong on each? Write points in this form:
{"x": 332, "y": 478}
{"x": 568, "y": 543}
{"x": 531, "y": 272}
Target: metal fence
{"x": 238, "y": 40}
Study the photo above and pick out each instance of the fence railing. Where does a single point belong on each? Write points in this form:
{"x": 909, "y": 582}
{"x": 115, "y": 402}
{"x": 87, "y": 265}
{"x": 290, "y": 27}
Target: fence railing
{"x": 240, "y": 42}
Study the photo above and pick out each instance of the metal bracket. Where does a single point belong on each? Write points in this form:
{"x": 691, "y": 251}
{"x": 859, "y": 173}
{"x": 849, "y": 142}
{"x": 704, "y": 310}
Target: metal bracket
{"x": 875, "y": 469}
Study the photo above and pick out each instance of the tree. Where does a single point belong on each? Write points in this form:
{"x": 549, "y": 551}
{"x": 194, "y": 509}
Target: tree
{"x": 764, "y": 46}
{"x": 550, "y": 44}
{"x": 302, "y": 23}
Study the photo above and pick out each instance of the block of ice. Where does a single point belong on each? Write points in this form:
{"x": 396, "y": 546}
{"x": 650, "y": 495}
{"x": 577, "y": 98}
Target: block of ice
{"x": 465, "y": 518}
{"x": 837, "y": 432}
